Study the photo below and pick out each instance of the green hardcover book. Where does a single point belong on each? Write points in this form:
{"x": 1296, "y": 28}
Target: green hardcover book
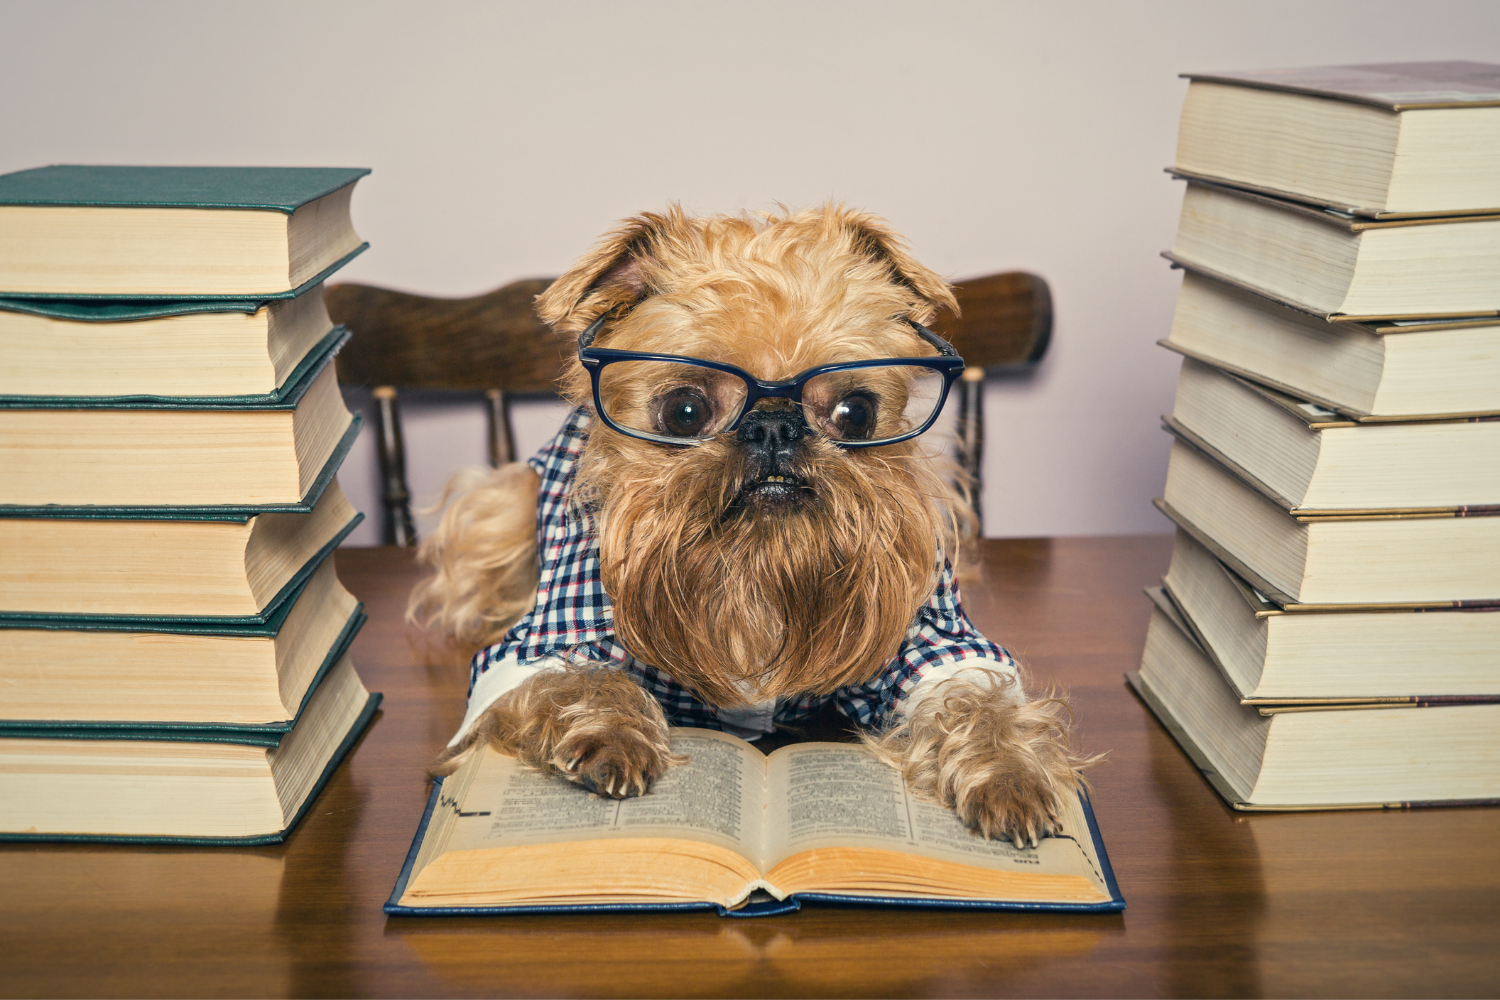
{"x": 189, "y": 677}
{"x": 165, "y": 564}
{"x": 243, "y": 351}
{"x": 181, "y": 787}
{"x": 64, "y": 453}
{"x": 126, "y": 232}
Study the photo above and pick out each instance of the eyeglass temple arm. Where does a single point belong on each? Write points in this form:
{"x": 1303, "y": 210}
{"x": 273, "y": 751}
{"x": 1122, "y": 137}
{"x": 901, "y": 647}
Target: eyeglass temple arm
{"x": 944, "y": 348}
{"x": 586, "y": 338}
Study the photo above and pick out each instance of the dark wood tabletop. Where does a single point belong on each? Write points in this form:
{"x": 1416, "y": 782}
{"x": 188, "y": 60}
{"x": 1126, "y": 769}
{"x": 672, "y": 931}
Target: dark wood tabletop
{"x": 1219, "y": 903}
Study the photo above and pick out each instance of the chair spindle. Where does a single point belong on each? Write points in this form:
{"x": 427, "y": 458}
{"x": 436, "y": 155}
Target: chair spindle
{"x": 502, "y": 439}
{"x": 970, "y": 434}
{"x": 399, "y": 529}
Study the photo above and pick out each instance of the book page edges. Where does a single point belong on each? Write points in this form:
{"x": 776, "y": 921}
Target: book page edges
{"x": 1376, "y": 215}
{"x": 259, "y": 297}
{"x": 236, "y": 513}
{"x": 1268, "y": 385}
{"x": 1220, "y": 785}
{"x": 1459, "y": 318}
{"x": 1217, "y": 781}
{"x": 355, "y": 732}
{"x": 258, "y": 734}
{"x": 284, "y": 397}
{"x": 1284, "y": 601}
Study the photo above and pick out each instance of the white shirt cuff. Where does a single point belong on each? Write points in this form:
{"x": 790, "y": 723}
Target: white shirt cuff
{"x": 1004, "y": 674}
{"x": 503, "y": 677}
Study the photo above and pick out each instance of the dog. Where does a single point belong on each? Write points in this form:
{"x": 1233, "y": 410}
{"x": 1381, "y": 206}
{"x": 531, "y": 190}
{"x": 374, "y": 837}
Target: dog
{"x": 737, "y": 543}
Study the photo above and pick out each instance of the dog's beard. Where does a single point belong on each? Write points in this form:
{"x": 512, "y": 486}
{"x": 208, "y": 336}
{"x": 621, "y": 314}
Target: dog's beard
{"x": 742, "y": 600}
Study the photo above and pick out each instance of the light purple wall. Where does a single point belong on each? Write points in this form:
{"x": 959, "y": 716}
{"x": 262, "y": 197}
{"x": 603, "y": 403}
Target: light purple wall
{"x": 506, "y": 137}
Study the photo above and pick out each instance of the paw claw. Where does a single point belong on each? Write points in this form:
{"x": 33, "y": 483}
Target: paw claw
{"x": 617, "y": 765}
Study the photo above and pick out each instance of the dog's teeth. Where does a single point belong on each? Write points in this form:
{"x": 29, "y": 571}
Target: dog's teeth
{"x": 573, "y": 764}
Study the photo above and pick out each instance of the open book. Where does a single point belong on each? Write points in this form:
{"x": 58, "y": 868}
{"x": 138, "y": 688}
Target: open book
{"x": 731, "y": 829}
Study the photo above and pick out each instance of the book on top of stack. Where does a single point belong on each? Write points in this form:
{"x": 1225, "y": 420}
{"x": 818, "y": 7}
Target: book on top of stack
{"x": 175, "y": 637}
{"x": 1328, "y": 633}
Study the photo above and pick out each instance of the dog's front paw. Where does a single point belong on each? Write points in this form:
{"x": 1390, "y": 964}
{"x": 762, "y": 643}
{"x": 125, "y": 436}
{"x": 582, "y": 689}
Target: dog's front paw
{"x": 614, "y": 757}
{"x": 1002, "y": 767}
{"x": 1010, "y": 784}
{"x": 591, "y": 724}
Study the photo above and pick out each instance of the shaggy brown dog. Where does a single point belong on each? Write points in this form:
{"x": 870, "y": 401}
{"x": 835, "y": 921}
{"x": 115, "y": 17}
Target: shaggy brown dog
{"x": 765, "y": 563}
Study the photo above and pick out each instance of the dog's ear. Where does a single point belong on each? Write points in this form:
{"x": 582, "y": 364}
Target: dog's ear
{"x": 615, "y": 273}
{"x": 871, "y": 236}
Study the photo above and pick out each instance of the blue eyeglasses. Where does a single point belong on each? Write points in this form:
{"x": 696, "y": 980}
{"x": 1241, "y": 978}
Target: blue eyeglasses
{"x": 683, "y": 401}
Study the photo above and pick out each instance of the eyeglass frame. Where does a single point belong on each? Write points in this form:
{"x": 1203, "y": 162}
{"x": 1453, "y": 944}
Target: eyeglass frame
{"x": 948, "y": 363}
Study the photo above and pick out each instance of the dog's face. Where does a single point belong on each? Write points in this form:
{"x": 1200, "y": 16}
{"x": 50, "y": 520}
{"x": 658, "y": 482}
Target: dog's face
{"x": 766, "y": 559}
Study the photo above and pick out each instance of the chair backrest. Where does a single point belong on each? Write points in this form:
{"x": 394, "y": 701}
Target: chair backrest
{"x": 1006, "y": 321}
{"x": 490, "y": 341}
{"x": 494, "y": 343}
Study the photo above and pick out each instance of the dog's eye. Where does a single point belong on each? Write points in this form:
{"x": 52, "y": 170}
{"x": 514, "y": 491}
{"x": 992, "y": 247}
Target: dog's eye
{"x": 684, "y": 413}
{"x": 854, "y": 417}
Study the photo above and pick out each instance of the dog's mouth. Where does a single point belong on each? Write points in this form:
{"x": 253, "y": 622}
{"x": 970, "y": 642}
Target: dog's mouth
{"x": 784, "y": 489}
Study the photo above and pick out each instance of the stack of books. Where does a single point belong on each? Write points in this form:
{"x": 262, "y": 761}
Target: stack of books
{"x": 1328, "y": 634}
{"x": 173, "y": 636}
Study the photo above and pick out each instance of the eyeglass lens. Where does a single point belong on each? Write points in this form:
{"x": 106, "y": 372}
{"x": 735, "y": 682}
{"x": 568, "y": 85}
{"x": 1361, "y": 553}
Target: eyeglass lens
{"x": 676, "y": 399}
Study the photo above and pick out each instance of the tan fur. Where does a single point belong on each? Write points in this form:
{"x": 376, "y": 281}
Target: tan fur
{"x": 1002, "y": 763}
{"x": 790, "y": 603}
{"x": 737, "y": 602}
{"x": 483, "y": 557}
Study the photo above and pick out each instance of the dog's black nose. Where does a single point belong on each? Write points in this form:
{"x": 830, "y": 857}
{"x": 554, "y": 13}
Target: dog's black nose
{"x": 772, "y": 433}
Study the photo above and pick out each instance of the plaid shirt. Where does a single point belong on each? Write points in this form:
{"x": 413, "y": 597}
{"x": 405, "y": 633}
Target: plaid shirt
{"x": 573, "y": 617}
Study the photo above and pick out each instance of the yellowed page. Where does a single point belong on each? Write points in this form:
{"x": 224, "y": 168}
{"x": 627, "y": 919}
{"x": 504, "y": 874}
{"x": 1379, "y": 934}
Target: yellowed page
{"x": 835, "y": 795}
{"x": 715, "y": 798}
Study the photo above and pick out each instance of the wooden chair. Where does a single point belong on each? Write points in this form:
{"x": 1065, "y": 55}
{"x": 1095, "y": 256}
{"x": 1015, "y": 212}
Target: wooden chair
{"x": 494, "y": 344}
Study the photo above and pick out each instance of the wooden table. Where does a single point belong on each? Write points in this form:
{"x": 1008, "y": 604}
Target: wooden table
{"x": 1399, "y": 903}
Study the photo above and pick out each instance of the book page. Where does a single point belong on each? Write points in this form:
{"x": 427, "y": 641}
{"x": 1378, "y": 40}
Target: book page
{"x": 834, "y": 795}
{"x": 716, "y": 798}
